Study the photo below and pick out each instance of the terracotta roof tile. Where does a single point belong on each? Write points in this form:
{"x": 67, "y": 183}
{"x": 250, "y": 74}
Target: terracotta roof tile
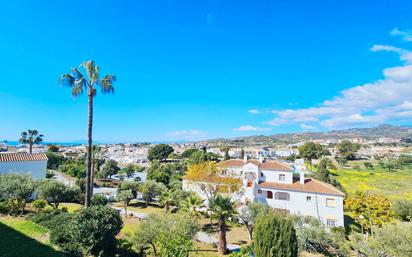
{"x": 18, "y": 157}
{"x": 310, "y": 186}
{"x": 266, "y": 165}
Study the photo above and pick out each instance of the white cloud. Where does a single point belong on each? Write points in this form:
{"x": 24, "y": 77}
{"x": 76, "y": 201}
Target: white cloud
{"x": 188, "y": 134}
{"x": 405, "y": 35}
{"x": 251, "y": 128}
{"x": 307, "y": 127}
{"x": 254, "y": 111}
{"x": 385, "y": 100}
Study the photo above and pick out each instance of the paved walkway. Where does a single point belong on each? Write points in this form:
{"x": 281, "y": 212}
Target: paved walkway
{"x": 136, "y": 214}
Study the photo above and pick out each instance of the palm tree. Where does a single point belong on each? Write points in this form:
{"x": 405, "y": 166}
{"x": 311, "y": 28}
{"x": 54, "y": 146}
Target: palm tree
{"x": 193, "y": 204}
{"x": 223, "y": 208}
{"x": 167, "y": 199}
{"x": 78, "y": 84}
{"x": 31, "y": 136}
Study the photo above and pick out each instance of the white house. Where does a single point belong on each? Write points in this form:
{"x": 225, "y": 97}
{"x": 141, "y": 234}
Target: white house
{"x": 284, "y": 187}
{"x": 24, "y": 163}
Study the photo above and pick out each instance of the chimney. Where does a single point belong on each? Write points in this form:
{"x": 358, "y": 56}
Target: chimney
{"x": 302, "y": 177}
{"x": 245, "y": 158}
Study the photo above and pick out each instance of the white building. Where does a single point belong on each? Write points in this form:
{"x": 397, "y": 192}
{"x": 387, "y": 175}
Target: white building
{"x": 273, "y": 183}
{"x": 34, "y": 164}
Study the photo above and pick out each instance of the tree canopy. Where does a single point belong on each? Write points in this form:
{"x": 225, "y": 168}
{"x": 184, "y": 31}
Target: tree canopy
{"x": 348, "y": 150}
{"x": 275, "y": 236}
{"x": 159, "y": 152}
{"x": 311, "y": 150}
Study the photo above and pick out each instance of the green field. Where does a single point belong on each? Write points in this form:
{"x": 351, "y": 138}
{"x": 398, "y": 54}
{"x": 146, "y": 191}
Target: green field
{"x": 393, "y": 184}
{"x": 20, "y": 238}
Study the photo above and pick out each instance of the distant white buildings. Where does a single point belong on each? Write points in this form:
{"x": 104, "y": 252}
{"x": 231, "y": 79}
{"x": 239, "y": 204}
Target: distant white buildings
{"x": 282, "y": 186}
{"x": 34, "y": 164}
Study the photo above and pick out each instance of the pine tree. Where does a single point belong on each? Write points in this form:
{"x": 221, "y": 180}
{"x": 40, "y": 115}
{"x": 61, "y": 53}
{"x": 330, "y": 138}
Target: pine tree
{"x": 275, "y": 236}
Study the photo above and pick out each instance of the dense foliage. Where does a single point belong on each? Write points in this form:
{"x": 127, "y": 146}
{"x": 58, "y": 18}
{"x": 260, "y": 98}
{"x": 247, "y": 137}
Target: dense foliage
{"x": 389, "y": 240}
{"x": 15, "y": 191}
{"x": 169, "y": 235}
{"x": 311, "y": 150}
{"x": 369, "y": 210}
{"x": 159, "y": 152}
{"x": 275, "y": 236}
{"x": 55, "y": 192}
{"x": 348, "y": 150}
{"x": 314, "y": 237}
{"x": 90, "y": 231}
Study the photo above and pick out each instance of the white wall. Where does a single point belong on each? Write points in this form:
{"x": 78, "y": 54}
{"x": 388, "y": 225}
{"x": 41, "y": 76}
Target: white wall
{"x": 36, "y": 168}
{"x": 273, "y": 176}
{"x": 300, "y": 206}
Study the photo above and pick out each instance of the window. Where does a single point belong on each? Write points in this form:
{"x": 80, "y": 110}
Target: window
{"x": 269, "y": 195}
{"x": 259, "y": 191}
{"x": 282, "y": 177}
{"x": 330, "y": 202}
{"x": 261, "y": 174}
{"x": 282, "y": 196}
{"x": 308, "y": 198}
{"x": 330, "y": 223}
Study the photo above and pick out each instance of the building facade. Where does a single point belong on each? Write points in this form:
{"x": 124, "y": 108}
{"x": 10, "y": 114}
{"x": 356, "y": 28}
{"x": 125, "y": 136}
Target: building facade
{"x": 34, "y": 164}
{"x": 282, "y": 186}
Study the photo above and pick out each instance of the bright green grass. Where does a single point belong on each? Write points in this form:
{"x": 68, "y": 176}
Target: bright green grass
{"x": 22, "y": 238}
{"x": 394, "y": 185}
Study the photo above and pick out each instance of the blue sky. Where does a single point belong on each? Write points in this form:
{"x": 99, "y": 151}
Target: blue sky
{"x": 190, "y": 70}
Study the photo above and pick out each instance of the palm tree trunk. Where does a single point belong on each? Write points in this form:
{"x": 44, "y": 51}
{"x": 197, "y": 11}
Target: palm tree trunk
{"x": 222, "y": 236}
{"x": 89, "y": 149}
{"x": 92, "y": 178}
{"x": 30, "y": 147}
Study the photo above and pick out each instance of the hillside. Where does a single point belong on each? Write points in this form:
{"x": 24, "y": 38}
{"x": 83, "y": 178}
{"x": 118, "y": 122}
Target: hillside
{"x": 380, "y": 131}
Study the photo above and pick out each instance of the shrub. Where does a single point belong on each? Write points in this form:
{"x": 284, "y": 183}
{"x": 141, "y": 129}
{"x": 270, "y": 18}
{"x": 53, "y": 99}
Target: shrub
{"x": 91, "y": 231}
{"x": 39, "y": 204}
{"x": 4, "y": 207}
{"x": 315, "y": 238}
{"x": 389, "y": 240}
{"x": 403, "y": 210}
{"x": 275, "y": 236}
{"x": 53, "y": 220}
{"x": 99, "y": 200}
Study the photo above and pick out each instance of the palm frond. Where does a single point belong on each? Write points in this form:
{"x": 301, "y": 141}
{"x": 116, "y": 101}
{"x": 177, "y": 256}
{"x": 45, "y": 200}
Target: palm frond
{"x": 77, "y": 74}
{"x": 66, "y": 80}
{"x": 90, "y": 69}
{"x": 106, "y": 83}
{"x": 77, "y": 90}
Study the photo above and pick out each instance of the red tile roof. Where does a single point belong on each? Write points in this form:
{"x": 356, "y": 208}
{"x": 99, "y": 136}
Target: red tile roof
{"x": 266, "y": 165}
{"x": 21, "y": 157}
{"x": 310, "y": 186}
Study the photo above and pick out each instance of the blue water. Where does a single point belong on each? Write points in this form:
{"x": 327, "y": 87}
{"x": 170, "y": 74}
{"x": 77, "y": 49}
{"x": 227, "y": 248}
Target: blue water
{"x": 15, "y": 143}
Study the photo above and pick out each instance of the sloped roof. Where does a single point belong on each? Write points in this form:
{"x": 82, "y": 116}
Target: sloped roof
{"x": 310, "y": 186}
{"x": 21, "y": 157}
{"x": 266, "y": 165}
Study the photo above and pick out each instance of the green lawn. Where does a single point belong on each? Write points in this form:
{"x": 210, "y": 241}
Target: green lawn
{"x": 20, "y": 238}
{"x": 140, "y": 207}
{"x": 394, "y": 184}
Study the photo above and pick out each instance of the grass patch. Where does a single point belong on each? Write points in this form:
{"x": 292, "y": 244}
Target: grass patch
{"x": 24, "y": 238}
{"x": 394, "y": 184}
{"x": 141, "y": 207}
{"x": 71, "y": 207}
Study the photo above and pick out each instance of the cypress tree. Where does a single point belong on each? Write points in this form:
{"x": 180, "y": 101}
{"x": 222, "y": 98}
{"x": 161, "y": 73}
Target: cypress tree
{"x": 275, "y": 236}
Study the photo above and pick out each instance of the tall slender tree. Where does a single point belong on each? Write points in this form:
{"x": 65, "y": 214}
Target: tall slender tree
{"x": 223, "y": 208}
{"x": 78, "y": 83}
{"x": 30, "y": 137}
